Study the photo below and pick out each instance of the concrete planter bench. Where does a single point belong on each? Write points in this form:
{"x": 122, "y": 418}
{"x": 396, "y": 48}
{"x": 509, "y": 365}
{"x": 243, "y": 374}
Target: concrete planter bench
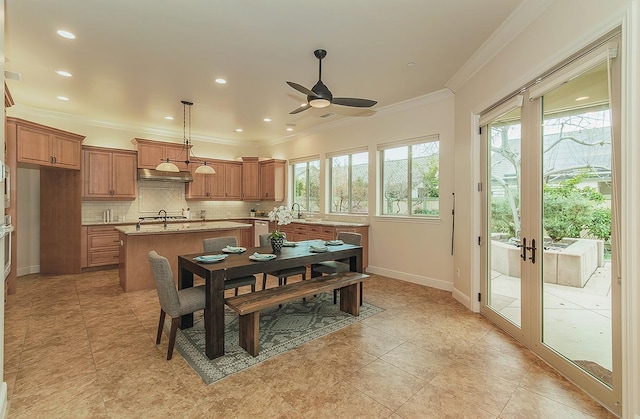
{"x": 571, "y": 266}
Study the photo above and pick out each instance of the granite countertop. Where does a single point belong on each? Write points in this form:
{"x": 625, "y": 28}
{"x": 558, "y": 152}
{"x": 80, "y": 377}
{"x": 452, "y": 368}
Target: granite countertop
{"x": 312, "y": 221}
{"x": 180, "y": 227}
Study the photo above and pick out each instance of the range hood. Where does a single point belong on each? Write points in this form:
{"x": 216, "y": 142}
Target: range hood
{"x": 159, "y": 175}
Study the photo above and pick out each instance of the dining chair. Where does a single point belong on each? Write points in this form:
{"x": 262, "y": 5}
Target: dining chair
{"x": 281, "y": 274}
{"x": 335, "y": 266}
{"x": 216, "y": 244}
{"x": 173, "y": 302}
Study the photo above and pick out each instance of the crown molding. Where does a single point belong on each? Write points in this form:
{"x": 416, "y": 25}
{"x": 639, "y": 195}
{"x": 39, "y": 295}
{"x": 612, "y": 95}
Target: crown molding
{"x": 514, "y": 24}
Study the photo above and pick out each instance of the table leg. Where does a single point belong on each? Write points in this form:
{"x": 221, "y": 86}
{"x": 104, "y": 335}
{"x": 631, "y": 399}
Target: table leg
{"x": 214, "y": 314}
{"x": 355, "y": 265}
{"x": 185, "y": 280}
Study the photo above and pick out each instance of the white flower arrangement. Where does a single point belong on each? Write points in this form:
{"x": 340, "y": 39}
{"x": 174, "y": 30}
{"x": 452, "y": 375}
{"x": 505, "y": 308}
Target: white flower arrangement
{"x": 282, "y": 216}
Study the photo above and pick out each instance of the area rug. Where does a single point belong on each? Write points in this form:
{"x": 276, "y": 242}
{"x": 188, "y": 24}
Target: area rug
{"x": 281, "y": 329}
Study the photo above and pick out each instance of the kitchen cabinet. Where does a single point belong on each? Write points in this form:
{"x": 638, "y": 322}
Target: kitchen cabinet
{"x": 108, "y": 174}
{"x": 224, "y": 185}
{"x": 272, "y": 180}
{"x": 250, "y": 179}
{"x": 45, "y": 146}
{"x": 103, "y": 246}
{"x": 151, "y": 153}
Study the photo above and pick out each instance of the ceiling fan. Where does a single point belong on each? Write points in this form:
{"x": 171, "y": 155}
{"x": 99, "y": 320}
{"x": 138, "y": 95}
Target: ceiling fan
{"x": 320, "y": 96}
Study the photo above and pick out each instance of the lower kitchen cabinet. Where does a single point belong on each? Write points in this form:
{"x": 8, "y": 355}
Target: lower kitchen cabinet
{"x": 103, "y": 246}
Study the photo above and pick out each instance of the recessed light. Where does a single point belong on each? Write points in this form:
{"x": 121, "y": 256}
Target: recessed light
{"x": 578, "y": 99}
{"x": 238, "y": 130}
{"x": 267, "y": 119}
{"x": 221, "y": 81}
{"x": 289, "y": 129}
{"x": 63, "y": 98}
{"x": 169, "y": 118}
{"x": 63, "y": 73}
{"x": 66, "y": 34}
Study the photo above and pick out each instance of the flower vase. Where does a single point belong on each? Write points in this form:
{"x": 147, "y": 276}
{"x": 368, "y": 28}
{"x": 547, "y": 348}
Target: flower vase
{"x": 276, "y": 244}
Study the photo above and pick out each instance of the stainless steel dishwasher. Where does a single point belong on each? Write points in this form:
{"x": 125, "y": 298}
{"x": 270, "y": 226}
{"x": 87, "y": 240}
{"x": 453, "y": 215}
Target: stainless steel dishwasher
{"x": 260, "y": 227}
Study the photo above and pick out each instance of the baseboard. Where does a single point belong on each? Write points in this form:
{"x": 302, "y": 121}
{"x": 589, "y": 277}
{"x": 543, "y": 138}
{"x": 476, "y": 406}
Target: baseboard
{"x": 27, "y": 270}
{"x": 462, "y": 298}
{"x": 3, "y": 400}
{"x": 415, "y": 279}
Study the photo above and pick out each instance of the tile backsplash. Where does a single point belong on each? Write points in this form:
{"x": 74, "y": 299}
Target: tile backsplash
{"x": 156, "y": 196}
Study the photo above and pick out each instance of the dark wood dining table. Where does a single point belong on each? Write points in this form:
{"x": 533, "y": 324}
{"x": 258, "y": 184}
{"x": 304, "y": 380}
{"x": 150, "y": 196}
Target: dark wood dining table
{"x": 236, "y": 265}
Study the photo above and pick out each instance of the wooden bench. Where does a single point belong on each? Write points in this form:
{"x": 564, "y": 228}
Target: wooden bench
{"x": 249, "y": 305}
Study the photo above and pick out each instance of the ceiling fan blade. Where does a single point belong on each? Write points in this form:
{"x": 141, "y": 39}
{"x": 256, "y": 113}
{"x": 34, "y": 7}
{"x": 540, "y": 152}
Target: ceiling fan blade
{"x": 301, "y": 89}
{"x": 299, "y": 109}
{"x": 350, "y": 101}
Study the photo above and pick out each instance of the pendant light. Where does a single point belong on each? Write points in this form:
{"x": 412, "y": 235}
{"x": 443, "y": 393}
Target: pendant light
{"x": 167, "y": 165}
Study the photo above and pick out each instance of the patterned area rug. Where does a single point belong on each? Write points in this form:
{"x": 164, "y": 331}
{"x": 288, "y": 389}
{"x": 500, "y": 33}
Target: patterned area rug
{"x": 281, "y": 329}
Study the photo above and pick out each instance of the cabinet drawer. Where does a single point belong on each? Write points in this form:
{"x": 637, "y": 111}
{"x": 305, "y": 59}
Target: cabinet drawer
{"x": 101, "y": 230}
{"x": 103, "y": 241}
{"x": 104, "y": 257}
{"x": 300, "y": 228}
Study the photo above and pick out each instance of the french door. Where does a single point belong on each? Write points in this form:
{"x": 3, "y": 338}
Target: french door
{"x": 550, "y": 257}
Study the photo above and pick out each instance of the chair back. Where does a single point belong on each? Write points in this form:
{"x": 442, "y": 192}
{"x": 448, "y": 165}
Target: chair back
{"x": 216, "y": 244}
{"x": 350, "y": 238}
{"x": 266, "y": 241}
{"x": 166, "y": 288}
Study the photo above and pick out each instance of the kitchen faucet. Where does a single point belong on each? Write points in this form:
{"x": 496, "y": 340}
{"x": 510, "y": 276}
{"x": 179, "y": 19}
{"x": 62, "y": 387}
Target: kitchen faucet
{"x": 165, "y": 217}
{"x": 293, "y": 206}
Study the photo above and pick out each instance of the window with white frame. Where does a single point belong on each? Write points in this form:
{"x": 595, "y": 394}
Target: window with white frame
{"x": 349, "y": 183}
{"x": 306, "y": 185}
{"x": 410, "y": 177}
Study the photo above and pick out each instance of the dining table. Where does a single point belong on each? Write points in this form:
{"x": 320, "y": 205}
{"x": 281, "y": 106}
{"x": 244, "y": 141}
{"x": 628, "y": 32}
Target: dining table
{"x": 302, "y": 253}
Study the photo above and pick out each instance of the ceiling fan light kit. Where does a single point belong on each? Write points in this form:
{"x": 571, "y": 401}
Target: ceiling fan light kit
{"x": 320, "y": 96}
{"x": 167, "y": 165}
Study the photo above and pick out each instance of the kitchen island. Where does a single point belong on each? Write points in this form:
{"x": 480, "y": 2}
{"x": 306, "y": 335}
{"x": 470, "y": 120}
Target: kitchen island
{"x": 170, "y": 241}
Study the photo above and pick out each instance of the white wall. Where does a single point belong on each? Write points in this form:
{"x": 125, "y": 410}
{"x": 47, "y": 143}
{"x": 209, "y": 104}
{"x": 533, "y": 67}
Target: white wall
{"x": 412, "y": 250}
{"x": 564, "y": 27}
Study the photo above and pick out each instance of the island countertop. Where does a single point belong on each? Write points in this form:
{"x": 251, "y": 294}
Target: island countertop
{"x": 180, "y": 227}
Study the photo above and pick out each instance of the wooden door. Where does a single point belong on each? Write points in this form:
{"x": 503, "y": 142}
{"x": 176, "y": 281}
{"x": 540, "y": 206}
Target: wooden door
{"x": 266, "y": 181}
{"x": 199, "y": 188}
{"x": 33, "y": 146}
{"x": 217, "y": 181}
{"x": 233, "y": 181}
{"x": 150, "y": 155}
{"x": 250, "y": 179}
{"x": 66, "y": 152}
{"x": 96, "y": 174}
{"x": 124, "y": 168}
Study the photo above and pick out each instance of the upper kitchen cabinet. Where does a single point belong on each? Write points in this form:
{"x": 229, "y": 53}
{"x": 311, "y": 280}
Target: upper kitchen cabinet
{"x": 45, "y": 146}
{"x": 224, "y": 185}
{"x": 151, "y": 153}
{"x": 272, "y": 180}
{"x": 250, "y": 179}
{"x": 108, "y": 174}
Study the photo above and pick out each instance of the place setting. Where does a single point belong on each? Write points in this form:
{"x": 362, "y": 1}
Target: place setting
{"x": 210, "y": 258}
{"x": 262, "y": 257}
{"x": 234, "y": 249}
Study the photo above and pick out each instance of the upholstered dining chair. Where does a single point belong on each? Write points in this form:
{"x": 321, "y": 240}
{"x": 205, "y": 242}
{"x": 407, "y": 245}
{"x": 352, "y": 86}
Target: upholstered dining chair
{"x": 173, "y": 302}
{"x": 216, "y": 244}
{"x": 334, "y": 266}
{"x": 282, "y": 274}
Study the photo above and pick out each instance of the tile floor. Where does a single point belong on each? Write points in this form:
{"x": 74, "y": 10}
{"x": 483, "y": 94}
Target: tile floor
{"x": 76, "y": 346}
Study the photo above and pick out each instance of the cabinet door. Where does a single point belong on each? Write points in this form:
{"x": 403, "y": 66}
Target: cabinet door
{"x": 266, "y": 181}
{"x": 66, "y": 152}
{"x": 124, "y": 168}
{"x": 177, "y": 152}
{"x": 250, "y": 180}
{"x": 150, "y": 155}
{"x": 217, "y": 181}
{"x": 233, "y": 181}
{"x": 33, "y": 146}
{"x": 199, "y": 188}
{"x": 96, "y": 174}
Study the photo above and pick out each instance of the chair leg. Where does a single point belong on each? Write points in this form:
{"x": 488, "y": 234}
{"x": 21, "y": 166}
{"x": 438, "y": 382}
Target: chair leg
{"x": 160, "y": 326}
{"x": 335, "y": 296}
{"x": 264, "y": 280}
{"x": 253, "y": 287}
{"x": 172, "y": 336}
{"x": 236, "y": 292}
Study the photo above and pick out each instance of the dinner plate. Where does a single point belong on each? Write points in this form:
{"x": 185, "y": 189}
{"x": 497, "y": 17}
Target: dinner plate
{"x": 210, "y": 258}
{"x": 318, "y": 249}
{"x": 262, "y": 256}
{"x": 334, "y": 242}
{"x": 234, "y": 249}
{"x": 289, "y": 244}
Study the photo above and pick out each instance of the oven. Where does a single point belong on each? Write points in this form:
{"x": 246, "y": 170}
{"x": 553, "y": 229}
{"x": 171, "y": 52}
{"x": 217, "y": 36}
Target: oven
{"x": 6, "y": 173}
{"x": 6, "y": 231}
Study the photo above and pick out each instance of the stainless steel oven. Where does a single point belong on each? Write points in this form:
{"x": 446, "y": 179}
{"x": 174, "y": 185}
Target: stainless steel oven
{"x": 6, "y": 185}
{"x": 6, "y": 231}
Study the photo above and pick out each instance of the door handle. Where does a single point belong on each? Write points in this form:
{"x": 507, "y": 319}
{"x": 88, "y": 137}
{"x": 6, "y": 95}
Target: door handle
{"x": 532, "y": 248}
{"x": 533, "y": 251}
{"x": 523, "y": 255}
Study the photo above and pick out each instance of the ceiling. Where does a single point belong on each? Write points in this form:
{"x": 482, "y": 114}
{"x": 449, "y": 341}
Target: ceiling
{"x": 133, "y": 62}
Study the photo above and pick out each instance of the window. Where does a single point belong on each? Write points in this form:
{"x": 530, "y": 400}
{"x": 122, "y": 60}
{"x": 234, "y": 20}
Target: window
{"x": 350, "y": 183}
{"x": 306, "y": 185}
{"x": 410, "y": 177}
